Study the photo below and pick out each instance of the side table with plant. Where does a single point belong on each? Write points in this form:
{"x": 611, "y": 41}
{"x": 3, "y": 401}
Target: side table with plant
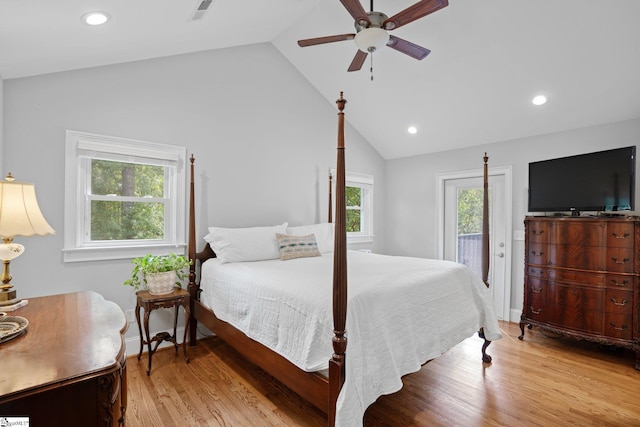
{"x": 160, "y": 274}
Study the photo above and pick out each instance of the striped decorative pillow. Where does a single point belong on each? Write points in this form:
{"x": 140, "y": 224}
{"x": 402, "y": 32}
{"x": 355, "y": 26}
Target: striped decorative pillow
{"x": 292, "y": 247}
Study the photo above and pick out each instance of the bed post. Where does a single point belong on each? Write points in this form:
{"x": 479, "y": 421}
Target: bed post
{"x": 485, "y": 224}
{"x": 330, "y": 215}
{"x": 336, "y": 364}
{"x": 193, "y": 288}
{"x": 485, "y": 249}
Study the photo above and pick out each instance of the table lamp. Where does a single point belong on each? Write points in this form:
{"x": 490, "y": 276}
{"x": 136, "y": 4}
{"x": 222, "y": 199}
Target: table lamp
{"x": 19, "y": 216}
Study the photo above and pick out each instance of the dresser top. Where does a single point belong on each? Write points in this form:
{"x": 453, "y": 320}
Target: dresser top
{"x": 70, "y": 337}
{"x": 622, "y": 218}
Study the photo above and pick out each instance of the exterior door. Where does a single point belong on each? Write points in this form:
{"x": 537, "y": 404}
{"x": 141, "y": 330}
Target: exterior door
{"x": 462, "y": 231}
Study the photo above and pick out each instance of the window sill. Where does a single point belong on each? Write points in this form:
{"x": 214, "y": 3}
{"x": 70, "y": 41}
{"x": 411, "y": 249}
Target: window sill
{"x": 360, "y": 239}
{"x": 119, "y": 252}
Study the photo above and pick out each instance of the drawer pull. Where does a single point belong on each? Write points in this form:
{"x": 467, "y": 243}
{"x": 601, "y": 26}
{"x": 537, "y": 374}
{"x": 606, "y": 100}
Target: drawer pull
{"x": 537, "y": 233}
{"x": 537, "y": 311}
{"x": 624, "y": 301}
{"x": 619, "y": 262}
{"x": 623, "y": 283}
{"x": 537, "y": 253}
{"x": 536, "y": 290}
{"x": 622, "y": 328}
{"x": 617, "y": 236}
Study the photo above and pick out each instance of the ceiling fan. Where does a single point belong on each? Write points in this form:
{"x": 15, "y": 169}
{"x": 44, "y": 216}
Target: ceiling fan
{"x": 372, "y": 30}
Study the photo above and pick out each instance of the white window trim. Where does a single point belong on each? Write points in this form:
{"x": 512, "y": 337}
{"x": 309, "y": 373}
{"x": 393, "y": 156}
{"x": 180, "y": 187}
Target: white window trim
{"x": 80, "y": 143}
{"x": 354, "y": 179}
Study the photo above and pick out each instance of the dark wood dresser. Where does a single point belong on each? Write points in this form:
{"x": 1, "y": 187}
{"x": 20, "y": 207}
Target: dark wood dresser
{"x": 582, "y": 279}
{"x": 68, "y": 369}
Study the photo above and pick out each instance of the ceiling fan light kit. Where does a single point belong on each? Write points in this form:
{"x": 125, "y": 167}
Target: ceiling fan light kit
{"x": 372, "y": 30}
{"x": 371, "y": 39}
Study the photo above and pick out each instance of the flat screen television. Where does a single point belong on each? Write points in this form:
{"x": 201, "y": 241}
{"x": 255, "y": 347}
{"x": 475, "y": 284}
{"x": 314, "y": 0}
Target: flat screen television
{"x": 603, "y": 181}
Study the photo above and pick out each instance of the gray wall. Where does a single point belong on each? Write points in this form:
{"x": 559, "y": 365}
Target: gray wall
{"x": 264, "y": 140}
{"x": 411, "y": 186}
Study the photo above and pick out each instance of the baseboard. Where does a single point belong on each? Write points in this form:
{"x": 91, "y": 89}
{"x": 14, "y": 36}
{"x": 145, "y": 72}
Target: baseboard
{"x": 514, "y": 315}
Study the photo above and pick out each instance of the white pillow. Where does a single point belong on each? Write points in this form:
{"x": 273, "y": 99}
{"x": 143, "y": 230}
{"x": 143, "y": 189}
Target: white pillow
{"x": 323, "y": 233}
{"x": 245, "y": 244}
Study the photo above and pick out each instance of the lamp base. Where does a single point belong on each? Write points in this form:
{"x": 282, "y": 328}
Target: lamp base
{"x": 8, "y": 296}
{"x": 8, "y": 299}
{"x": 13, "y": 307}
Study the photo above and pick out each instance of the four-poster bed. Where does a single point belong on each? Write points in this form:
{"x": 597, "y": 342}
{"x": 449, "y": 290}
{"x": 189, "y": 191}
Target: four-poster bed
{"x": 453, "y": 303}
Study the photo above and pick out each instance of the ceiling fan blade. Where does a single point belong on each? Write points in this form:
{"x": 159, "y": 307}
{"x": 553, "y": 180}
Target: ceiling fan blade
{"x": 327, "y": 39}
{"x": 408, "y": 48}
{"x": 355, "y": 9}
{"x": 410, "y": 14}
{"x": 358, "y": 60}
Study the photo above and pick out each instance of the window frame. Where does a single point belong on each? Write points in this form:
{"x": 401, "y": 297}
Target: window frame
{"x": 366, "y": 183}
{"x": 81, "y": 148}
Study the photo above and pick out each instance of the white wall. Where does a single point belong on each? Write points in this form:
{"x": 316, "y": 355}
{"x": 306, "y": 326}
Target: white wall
{"x": 263, "y": 138}
{"x": 1, "y": 128}
{"x": 411, "y": 186}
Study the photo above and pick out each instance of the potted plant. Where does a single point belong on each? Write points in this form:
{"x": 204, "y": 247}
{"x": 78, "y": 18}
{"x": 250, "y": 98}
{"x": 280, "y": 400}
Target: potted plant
{"x": 160, "y": 274}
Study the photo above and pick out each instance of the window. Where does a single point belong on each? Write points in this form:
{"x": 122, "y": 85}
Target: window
{"x": 124, "y": 198}
{"x": 359, "y": 204}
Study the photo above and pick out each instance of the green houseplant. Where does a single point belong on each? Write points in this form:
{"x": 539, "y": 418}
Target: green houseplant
{"x": 158, "y": 273}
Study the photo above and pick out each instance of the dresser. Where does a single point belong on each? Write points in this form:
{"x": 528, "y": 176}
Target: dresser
{"x": 68, "y": 369}
{"x": 582, "y": 279}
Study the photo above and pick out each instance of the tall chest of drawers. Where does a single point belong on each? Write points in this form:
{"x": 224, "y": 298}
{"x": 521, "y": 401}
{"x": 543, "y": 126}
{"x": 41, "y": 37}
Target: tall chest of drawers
{"x": 582, "y": 279}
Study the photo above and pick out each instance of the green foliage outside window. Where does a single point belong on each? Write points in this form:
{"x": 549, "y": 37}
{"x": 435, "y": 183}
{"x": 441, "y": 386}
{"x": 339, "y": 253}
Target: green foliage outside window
{"x": 470, "y": 201}
{"x": 354, "y": 200}
{"x": 126, "y": 219}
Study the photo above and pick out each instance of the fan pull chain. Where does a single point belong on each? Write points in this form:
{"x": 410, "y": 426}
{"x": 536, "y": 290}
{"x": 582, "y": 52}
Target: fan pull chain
{"x": 371, "y": 69}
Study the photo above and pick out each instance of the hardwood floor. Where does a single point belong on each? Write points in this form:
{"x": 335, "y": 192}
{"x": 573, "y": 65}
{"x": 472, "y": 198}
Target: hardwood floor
{"x": 541, "y": 381}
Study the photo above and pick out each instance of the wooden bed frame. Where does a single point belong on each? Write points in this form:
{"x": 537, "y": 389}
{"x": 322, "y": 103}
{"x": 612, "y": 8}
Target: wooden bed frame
{"x": 319, "y": 390}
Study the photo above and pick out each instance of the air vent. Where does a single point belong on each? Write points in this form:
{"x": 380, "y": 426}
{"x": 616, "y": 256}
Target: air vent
{"x": 201, "y": 9}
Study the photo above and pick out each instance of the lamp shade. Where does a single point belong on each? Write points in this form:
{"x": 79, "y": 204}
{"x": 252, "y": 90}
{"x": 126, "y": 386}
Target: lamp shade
{"x": 19, "y": 211}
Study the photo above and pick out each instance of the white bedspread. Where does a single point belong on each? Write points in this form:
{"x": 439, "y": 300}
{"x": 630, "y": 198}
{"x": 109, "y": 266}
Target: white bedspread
{"x": 401, "y": 313}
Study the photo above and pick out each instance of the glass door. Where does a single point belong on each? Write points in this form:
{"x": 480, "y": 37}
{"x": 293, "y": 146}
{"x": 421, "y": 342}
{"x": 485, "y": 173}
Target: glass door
{"x": 463, "y": 202}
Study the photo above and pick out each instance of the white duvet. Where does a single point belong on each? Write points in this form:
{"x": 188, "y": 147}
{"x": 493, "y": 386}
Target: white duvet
{"x": 401, "y": 313}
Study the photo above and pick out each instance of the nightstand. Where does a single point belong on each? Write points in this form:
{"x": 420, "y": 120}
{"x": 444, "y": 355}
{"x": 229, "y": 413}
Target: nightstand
{"x": 149, "y": 302}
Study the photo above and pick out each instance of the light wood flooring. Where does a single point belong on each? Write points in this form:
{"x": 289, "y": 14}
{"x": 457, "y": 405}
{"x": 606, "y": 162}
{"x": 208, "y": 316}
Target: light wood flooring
{"x": 541, "y": 381}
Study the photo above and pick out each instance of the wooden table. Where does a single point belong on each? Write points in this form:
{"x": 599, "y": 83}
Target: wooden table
{"x": 69, "y": 367}
{"x": 149, "y": 302}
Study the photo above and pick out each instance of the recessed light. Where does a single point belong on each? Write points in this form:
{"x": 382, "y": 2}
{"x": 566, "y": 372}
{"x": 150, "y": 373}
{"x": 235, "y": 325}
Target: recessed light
{"x": 412, "y": 130}
{"x": 540, "y": 100}
{"x": 95, "y": 18}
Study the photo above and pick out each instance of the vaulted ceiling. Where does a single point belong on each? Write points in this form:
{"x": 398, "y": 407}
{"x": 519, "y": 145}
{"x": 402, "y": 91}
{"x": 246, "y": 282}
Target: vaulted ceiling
{"x": 488, "y": 59}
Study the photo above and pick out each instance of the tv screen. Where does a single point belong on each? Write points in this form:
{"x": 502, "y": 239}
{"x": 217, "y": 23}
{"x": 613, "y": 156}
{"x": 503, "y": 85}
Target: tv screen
{"x": 601, "y": 181}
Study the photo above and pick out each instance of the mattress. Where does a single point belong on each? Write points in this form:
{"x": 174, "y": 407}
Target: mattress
{"x": 401, "y": 312}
